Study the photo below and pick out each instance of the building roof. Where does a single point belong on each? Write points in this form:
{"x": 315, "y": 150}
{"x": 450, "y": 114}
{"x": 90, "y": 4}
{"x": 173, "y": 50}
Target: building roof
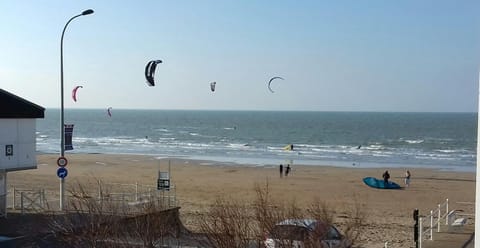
{"x": 15, "y": 107}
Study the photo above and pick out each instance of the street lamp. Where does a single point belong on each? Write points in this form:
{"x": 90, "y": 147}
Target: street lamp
{"x": 62, "y": 124}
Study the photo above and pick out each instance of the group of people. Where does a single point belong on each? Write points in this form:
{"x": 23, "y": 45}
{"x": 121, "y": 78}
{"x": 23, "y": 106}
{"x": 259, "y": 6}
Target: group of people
{"x": 287, "y": 170}
{"x": 386, "y": 177}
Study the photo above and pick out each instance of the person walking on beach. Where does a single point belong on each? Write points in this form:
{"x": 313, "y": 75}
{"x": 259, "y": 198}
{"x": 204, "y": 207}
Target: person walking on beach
{"x": 386, "y": 176}
{"x": 281, "y": 170}
{"x": 407, "y": 178}
{"x": 287, "y": 170}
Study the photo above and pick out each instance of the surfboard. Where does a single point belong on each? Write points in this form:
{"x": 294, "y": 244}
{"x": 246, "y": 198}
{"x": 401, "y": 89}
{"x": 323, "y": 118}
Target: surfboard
{"x": 380, "y": 184}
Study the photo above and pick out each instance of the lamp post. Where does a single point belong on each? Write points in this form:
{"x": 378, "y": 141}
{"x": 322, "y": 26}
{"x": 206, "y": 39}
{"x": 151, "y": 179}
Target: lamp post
{"x": 62, "y": 120}
{"x": 477, "y": 176}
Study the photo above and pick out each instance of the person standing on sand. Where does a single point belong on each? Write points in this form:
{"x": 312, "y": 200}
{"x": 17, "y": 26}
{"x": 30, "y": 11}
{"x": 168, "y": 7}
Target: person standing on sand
{"x": 287, "y": 170}
{"x": 386, "y": 176}
{"x": 407, "y": 178}
{"x": 281, "y": 170}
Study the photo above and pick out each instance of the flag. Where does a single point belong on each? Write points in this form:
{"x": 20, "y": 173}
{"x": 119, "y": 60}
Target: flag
{"x": 68, "y": 137}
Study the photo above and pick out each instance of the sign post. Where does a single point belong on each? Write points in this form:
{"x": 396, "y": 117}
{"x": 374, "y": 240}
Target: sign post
{"x": 62, "y": 173}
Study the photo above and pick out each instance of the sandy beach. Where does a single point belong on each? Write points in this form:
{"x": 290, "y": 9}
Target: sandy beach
{"x": 200, "y": 183}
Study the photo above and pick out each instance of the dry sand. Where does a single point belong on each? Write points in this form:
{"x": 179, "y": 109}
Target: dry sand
{"x": 199, "y": 183}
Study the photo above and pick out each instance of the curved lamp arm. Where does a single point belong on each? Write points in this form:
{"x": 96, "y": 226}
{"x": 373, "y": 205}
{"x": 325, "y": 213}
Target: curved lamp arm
{"x": 62, "y": 128}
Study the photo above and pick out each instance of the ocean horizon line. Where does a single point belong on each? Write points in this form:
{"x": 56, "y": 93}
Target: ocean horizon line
{"x": 270, "y": 110}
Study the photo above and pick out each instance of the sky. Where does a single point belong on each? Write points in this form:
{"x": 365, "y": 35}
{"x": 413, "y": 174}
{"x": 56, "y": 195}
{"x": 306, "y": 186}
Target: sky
{"x": 369, "y": 55}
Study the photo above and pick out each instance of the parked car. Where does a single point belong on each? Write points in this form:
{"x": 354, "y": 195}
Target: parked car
{"x": 305, "y": 233}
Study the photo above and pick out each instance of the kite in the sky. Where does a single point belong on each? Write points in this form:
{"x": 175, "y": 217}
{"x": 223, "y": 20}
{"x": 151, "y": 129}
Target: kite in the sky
{"x": 74, "y": 92}
{"x": 212, "y": 86}
{"x": 150, "y": 71}
{"x": 270, "y": 81}
{"x": 109, "y": 111}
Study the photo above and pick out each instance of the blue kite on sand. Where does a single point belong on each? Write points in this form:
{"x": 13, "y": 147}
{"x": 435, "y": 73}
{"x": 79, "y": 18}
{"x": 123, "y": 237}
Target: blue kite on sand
{"x": 380, "y": 184}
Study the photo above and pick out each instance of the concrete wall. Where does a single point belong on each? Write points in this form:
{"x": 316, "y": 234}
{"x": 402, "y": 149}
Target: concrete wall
{"x": 20, "y": 135}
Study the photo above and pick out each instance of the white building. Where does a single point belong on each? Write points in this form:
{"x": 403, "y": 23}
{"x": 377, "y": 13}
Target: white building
{"x": 17, "y": 138}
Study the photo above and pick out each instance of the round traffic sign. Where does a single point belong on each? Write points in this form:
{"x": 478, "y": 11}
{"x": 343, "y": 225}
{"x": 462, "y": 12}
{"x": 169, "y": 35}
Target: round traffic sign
{"x": 62, "y": 172}
{"x": 62, "y": 161}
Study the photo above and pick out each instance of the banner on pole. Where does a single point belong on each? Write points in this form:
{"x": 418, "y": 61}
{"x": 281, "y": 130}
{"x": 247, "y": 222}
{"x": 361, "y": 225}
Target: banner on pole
{"x": 68, "y": 137}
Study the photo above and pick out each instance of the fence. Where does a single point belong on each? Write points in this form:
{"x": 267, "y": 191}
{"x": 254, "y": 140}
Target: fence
{"x": 427, "y": 224}
{"x": 434, "y": 221}
{"x": 28, "y": 200}
{"x": 138, "y": 194}
{"x": 131, "y": 198}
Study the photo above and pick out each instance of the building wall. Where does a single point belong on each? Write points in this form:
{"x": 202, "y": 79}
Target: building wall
{"x": 3, "y": 193}
{"x": 20, "y": 133}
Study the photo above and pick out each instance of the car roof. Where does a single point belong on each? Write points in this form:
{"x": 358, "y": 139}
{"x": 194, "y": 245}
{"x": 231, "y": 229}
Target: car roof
{"x": 298, "y": 222}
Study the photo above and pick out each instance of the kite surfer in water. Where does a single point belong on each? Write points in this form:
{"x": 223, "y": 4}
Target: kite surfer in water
{"x": 289, "y": 147}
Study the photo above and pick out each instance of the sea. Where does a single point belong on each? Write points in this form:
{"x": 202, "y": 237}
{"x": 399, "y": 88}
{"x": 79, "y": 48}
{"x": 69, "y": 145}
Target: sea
{"x": 445, "y": 141}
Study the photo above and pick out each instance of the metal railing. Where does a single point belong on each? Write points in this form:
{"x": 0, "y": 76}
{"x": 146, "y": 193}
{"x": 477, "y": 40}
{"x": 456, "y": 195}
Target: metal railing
{"x": 434, "y": 221}
{"x": 132, "y": 198}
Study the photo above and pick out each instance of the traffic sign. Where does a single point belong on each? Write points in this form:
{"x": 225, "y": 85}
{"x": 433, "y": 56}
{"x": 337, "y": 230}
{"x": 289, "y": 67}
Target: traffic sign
{"x": 62, "y": 172}
{"x": 62, "y": 161}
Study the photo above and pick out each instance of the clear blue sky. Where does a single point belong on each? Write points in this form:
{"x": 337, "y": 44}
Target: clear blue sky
{"x": 418, "y": 55}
